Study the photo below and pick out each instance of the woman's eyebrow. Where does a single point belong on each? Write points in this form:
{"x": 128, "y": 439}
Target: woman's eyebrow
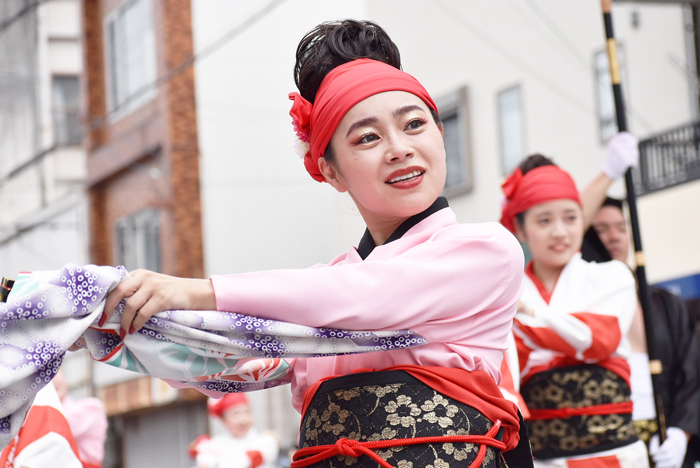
{"x": 361, "y": 123}
{"x": 402, "y": 110}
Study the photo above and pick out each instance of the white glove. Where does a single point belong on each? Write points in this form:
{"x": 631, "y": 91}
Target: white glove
{"x": 623, "y": 153}
{"x": 672, "y": 451}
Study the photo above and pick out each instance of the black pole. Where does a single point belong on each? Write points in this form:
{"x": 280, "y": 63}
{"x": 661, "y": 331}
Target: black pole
{"x": 655, "y": 366}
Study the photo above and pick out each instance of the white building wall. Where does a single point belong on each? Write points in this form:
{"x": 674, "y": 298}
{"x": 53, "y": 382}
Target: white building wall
{"x": 671, "y": 232}
{"x": 261, "y": 210}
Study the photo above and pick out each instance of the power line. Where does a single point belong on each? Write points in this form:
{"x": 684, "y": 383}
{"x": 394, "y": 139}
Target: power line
{"x": 189, "y": 61}
{"x": 4, "y": 24}
{"x": 544, "y": 17}
{"x": 511, "y": 57}
{"x": 171, "y": 74}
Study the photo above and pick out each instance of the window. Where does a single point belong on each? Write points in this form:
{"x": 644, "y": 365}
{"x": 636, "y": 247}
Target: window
{"x": 66, "y": 109}
{"x": 137, "y": 240}
{"x": 510, "y": 126}
{"x": 606, "y": 102}
{"x": 453, "y": 113}
{"x": 131, "y": 56}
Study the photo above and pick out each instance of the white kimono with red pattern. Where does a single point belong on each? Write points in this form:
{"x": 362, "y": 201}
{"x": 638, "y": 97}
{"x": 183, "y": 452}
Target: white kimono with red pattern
{"x": 45, "y": 440}
{"x": 585, "y": 318}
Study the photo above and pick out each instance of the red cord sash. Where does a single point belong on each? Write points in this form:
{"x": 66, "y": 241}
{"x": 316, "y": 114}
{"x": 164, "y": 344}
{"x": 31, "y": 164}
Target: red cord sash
{"x": 354, "y": 448}
{"x": 563, "y": 413}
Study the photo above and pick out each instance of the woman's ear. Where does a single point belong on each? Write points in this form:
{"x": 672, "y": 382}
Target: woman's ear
{"x": 441, "y": 127}
{"x": 332, "y": 175}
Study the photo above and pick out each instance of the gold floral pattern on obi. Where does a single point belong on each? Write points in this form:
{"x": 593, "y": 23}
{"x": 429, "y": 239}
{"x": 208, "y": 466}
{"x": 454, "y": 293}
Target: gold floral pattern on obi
{"x": 395, "y": 411}
{"x": 646, "y": 428}
{"x": 577, "y": 387}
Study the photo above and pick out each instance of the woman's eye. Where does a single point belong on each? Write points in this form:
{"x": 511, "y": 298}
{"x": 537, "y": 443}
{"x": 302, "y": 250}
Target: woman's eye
{"x": 415, "y": 124}
{"x": 571, "y": 219}
{"x": 542, "y": 221}
{"x": 370, "y": 137}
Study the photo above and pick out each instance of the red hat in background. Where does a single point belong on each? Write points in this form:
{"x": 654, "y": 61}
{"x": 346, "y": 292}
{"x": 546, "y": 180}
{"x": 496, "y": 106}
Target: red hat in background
{"x": 217, "y": 407}
{"x": 539, "y": 185}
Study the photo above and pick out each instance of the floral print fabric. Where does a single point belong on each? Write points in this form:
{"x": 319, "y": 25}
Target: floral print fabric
{"x": 47, "y": 312}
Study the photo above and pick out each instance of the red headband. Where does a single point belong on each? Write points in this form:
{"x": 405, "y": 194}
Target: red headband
{"x": 340, "y": 90}
{"x": 217, "y": 407}
{"x": 539, "y": 185}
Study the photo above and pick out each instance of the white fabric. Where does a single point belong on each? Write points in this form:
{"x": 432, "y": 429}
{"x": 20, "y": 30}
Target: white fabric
{"x": 511, "y": 357}
{"x": 623, "y": 153}
{"x": 50, "y": 451}
{"x": 672, "y": 451}
{"x": 606, "y": 289}
{"x": 226, "y": 451}
{"x": 642, "y": 391}
{"x": 629, "y": 456}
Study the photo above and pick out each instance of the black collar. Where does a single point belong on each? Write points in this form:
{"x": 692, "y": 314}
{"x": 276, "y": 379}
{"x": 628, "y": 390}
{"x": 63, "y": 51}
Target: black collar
{"x": 367, "y": 244}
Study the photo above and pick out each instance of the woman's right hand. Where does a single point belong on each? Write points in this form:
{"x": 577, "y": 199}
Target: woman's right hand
{"x": 148, "y": 293}
{"x": 522, "y": 308}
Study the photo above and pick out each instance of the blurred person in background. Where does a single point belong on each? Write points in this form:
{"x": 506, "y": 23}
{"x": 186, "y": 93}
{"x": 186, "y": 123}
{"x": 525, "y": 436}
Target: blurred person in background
{"x": 608, "y": 239}
{"x": 241, "y": 446}
{"x": 45, "y": 439}
{"x": 570, "y": 329}
{"x": 677, "y": 347}
{"x": 88, "y": 423}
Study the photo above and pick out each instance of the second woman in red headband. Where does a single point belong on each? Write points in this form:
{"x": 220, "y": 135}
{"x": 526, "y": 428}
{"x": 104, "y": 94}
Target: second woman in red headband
{"x": 570, "y": 330}
{"x": 373, "y": 131}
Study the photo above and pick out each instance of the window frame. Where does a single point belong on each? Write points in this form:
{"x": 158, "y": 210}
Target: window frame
{"x": 505, "y": 171}
{"x": 118, "y": 110}
{"x": 78, "y": 109}
{"x": 598, "y": 86}
{"x": 141, "y": 222}
{"x": 456, "y": 103}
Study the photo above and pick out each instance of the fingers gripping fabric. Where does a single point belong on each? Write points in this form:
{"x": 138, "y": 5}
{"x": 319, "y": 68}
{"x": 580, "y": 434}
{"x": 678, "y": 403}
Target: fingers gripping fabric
{"x": 214, "y": 351}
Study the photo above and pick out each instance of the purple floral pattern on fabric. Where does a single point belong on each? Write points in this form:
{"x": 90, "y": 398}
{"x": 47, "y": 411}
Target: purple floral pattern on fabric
{"x": 213, "y": 351}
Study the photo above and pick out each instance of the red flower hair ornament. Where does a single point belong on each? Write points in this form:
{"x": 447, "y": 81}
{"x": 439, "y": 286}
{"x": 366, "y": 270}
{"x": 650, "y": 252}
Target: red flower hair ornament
{"x": 342, "y": 88}
{"x": 301, "y": 116}
{"x": 511, "y": 183}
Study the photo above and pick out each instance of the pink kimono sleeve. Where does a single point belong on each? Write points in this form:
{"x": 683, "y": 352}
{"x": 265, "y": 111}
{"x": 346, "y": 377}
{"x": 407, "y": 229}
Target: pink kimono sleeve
{"x": 455, "y": 275}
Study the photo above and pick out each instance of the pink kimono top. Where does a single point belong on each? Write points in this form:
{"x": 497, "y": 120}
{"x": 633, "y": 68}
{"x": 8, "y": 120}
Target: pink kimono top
{"x": 456, "y": 285}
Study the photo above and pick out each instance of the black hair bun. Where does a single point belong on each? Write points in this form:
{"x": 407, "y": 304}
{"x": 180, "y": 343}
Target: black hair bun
{"x": 534, "y": 161}
{"x": 334, "y": 43}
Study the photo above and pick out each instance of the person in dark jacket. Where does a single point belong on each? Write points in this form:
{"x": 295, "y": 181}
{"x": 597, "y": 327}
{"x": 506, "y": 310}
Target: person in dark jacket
{"x": 674, "y": 341}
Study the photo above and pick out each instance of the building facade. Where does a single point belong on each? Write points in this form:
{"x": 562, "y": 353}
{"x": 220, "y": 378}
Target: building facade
{"x": 191, "y": 171}
{"x": 42, "y": 165}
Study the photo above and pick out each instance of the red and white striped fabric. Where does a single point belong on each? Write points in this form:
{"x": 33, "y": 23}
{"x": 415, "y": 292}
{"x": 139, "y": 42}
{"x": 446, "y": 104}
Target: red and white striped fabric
{"x": 584, "y": 319}
{"x": 510, "y": 377}
{"x": 45, "y": 440}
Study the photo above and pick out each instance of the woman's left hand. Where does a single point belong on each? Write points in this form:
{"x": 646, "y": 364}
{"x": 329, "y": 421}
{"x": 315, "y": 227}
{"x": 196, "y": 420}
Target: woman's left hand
{"x": 149, "y": 293}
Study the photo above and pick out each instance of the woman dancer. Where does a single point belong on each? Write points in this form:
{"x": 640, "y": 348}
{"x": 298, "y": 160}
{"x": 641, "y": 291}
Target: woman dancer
{"x": 374, "y": 132}
{"x": 570, "y": 328}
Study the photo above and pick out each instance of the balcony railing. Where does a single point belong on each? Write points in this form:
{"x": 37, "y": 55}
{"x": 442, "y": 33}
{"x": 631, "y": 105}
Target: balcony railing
{"x": 668, "y": 159}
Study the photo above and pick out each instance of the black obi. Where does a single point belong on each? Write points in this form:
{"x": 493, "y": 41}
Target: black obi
{"x": 582, "y": 387}
{"x": 390, "y": 405}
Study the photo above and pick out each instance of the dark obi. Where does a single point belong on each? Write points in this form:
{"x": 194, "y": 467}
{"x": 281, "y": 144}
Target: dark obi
{"x": 390, "y": 405}
{"x": 578, "y": 410}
